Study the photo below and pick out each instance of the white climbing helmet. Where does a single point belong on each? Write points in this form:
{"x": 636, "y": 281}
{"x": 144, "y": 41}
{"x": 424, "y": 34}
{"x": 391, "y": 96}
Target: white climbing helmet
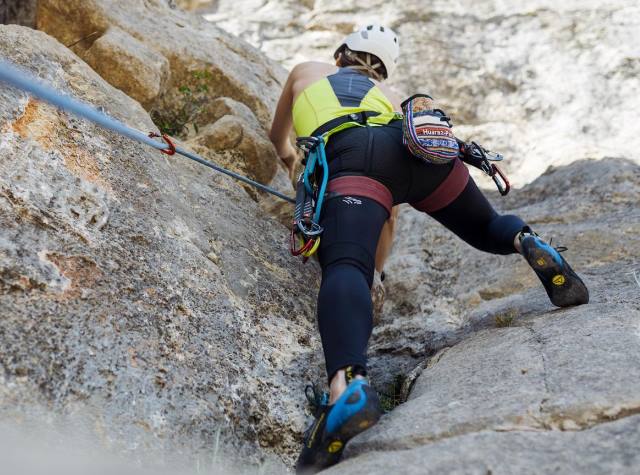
{"x": 376, "y": 39}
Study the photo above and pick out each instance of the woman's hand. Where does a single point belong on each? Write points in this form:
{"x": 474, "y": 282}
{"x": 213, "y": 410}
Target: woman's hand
{"x": 281, "y": 127}
{"x": 290, "y": 158}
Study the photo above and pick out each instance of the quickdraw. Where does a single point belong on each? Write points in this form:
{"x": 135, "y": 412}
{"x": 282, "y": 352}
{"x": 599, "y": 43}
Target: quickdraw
{"x": 310, "y": 191}
{"x": 479, "y": 157}
{"x": 172, "y": 148}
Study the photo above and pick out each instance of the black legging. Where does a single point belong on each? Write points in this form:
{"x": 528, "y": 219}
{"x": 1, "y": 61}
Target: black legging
{"x": 352, "y": 227}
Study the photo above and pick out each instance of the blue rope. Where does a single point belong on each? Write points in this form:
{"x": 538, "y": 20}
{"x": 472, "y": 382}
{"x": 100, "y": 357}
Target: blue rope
{"x": 27, "y": 82}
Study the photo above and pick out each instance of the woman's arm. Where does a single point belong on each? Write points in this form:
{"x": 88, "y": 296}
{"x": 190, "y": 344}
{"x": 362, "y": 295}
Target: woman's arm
{"x": 385, "y": 243}
{"x": 386, "y": 239}
{"x": 281, "y": 126}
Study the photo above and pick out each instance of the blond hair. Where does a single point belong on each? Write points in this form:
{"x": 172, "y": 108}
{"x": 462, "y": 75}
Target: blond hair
{"x": 368, "y": 63}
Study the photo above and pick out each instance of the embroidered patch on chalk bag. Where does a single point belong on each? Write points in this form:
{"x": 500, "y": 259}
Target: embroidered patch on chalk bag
{"x": 426, "y": 131}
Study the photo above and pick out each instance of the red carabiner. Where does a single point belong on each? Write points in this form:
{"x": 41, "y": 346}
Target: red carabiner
{"x": 503, "y": 187}
{"x": 292, "y": 245}
{"x": 172, "y": 148}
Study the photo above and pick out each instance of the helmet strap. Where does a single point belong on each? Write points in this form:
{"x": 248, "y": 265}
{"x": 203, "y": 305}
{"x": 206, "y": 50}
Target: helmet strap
{"x": 364, "y": 66}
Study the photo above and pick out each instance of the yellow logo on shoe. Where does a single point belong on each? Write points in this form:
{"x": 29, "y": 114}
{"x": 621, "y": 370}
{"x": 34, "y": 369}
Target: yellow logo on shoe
{"x": 558, "y": 279}
{"x": 364, "y": 424}
{"x": 334, "y": 446}
{"x": 540, "y": 261}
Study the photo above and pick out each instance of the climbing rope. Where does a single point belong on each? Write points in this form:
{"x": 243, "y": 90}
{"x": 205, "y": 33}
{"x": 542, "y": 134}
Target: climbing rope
{"x": 22, "y": 80}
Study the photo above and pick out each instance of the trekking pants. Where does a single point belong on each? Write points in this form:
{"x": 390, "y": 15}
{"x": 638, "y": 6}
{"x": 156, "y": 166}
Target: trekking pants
{"x": 352, "y": 226}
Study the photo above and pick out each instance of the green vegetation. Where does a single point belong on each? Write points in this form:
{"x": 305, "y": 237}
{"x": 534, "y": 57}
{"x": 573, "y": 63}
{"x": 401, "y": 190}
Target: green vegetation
{"x": 392, "y": 396}
{"x": 506, "y": 318}
{"x": 192, "y": 98}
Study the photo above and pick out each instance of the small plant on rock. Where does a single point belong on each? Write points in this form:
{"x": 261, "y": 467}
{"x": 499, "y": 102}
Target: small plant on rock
{"x": 192, "y": 98}
{"x": 505, "y": 319}
{"x": 391, "y": 397}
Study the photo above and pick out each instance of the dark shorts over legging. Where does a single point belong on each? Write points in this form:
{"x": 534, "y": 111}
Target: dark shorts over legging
{"x": 352, "y": 228}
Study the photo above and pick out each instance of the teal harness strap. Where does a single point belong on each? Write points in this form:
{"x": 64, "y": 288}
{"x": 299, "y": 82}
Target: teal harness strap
{"x": 310, "y": 197}
{"x": 310, "y": 168}
{"x": 317, "y": 157}
{"x": 325, "y": 179}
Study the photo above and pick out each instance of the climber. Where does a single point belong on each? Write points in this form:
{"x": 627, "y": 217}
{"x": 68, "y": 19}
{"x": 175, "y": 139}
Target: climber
{"x": 370, "y": 171}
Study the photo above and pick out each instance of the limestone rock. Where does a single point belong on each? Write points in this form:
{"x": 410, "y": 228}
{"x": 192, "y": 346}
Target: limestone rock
{"x": 191, "y": 4}
{"x": 186, "y": 41}
{"x": 112, "y": 307}
{"x": 497, "y": 401}
{"x": 239, "y": 131}
{"x": 129, "y": 65}
{"x": 606, "y": 448}
{"x": 20, "y": 12}
{"x": 569, "y": 369}
{"x": 181, "y": 68}
{"x": 439, "y": 290}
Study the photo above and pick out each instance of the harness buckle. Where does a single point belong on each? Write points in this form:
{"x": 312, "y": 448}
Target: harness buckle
{"x": 360, "y": 117}
{"x": 307, "y": 144}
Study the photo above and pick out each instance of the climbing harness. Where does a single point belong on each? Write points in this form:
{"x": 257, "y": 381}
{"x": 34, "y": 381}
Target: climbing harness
{"x": 310, "y": 194}
{"x": 342, "y": 122}
{"x": 479, "y": 157}
{"x": 27, "y": 82}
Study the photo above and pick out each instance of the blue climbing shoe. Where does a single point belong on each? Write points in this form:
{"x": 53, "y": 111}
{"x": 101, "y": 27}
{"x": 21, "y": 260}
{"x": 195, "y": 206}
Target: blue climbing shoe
{"x": 562, "y": 284}
{"x": 357, "y": 409}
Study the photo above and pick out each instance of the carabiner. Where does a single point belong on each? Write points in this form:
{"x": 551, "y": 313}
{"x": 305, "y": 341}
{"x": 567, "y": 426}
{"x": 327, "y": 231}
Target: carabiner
{"x": 314, "y": 230}
{"x": 172, "y": 148}
{"x": 302, "y": 249}
{"x": 503, "y": 187}
{"x": 313, "y": 250}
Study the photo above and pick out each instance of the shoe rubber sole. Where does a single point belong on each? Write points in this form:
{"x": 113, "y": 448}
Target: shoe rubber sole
{"x": 330, "y": 449}
{"x": 562, "y": 284}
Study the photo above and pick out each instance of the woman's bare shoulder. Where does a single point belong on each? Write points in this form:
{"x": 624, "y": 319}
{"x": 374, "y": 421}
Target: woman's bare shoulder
{"x": 312, "y": 67}
{"x": 305, "y": 74}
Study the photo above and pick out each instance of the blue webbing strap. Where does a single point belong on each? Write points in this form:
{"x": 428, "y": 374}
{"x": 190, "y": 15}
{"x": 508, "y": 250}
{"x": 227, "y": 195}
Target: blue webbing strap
{"x": 317, "y": 156}
{"x": 322, "y": 158}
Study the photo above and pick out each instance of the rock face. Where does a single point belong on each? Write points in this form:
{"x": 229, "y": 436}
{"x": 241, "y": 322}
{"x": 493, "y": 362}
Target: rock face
{"x": 129, "y": 65}
{"x": 546, "y": 83}
{"x": 20, "y": 12}
{"x": 236, "y": 131}
{"x": 154, "y": 300}
{"x": 240, "y": 72}
{"x": 607, "y": 448}
{"x": 180, "y": 68}
{"x": 132, "y": 286}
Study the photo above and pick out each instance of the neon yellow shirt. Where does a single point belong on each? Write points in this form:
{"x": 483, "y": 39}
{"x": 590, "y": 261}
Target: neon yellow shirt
{"x": 345, "y": 92}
